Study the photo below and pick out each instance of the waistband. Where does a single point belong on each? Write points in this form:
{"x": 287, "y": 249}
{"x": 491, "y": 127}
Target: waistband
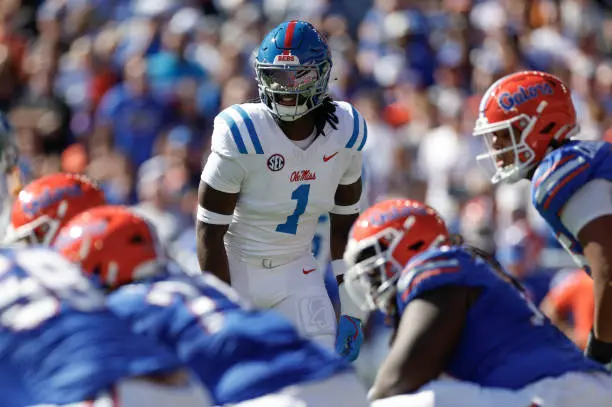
{"x": 267, "y": 262}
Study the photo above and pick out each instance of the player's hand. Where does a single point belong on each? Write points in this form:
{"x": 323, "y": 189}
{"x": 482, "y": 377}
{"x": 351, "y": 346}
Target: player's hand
{"x": 349, "y": 338}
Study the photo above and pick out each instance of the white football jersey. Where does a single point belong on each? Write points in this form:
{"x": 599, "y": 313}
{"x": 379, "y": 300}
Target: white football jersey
{"x": 283, "y": 189}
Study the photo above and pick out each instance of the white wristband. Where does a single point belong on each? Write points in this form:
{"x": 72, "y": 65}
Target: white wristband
{"x": 213, "y": 218}
{"x": 348, "y": 306}
{"x": 346, "y": 210}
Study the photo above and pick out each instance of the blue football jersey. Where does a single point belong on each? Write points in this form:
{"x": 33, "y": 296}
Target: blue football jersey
{"x": 13, "y": 392}
{"x": 506, "y": 342}
{"x": 57, "y": 335}
{"x": 561, "y": 174}
{"x": 238, "y": 354}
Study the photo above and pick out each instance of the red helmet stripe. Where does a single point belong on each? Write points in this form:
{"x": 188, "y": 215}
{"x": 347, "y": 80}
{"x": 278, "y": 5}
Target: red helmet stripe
{"x": 289, "y": 37}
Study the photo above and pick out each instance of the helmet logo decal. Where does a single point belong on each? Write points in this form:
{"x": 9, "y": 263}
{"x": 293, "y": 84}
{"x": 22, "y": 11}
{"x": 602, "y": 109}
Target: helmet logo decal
{"x": 32, "y": 204}
{"x": 380, "y": 219}
{"x": 509, "y": 101}
{"x": 286, "y": 59}
{"x": 84, "y": 231}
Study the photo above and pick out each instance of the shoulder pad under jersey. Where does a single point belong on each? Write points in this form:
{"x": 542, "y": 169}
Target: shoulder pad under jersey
{"x": 433, "y": 269}
{"x": 561, "y": 174}
{"x": 352, "y": 126}
{"x": 237, "y": 130}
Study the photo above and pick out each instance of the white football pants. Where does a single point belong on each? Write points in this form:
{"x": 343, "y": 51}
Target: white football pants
{"x": 293, "y": 287}
{"x": 137, "y": 392}
{"x": 341, "y": 390}
{"x": 570, "y": 390}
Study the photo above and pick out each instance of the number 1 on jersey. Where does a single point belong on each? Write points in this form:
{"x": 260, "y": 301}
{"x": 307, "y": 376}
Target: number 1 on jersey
{"x": 300, "y": 194}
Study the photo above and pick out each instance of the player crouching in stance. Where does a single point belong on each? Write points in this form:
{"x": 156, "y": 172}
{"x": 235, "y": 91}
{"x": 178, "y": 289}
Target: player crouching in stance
{"x": 61, "y": 345}
{"x": 457, "y": 312}
{"x": 527, "y": 119}
{"x": 237, "y": 353}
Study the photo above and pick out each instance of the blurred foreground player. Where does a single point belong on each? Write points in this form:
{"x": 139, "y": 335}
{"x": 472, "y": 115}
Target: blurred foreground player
{"x": 238, "y": 354}
{"x": 458, "y": 312}
{"x": 62, "y": 346}
{"x": 528, "y": 120}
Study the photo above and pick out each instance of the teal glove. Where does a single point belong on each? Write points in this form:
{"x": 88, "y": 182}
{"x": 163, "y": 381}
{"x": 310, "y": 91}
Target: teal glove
{"x": 349, "y": 338}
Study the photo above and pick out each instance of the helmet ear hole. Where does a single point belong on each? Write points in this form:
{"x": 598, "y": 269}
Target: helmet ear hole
{"x": 137, "y": 239}
{"x": 416, "y": 246}
{"x": 548, "y": 128}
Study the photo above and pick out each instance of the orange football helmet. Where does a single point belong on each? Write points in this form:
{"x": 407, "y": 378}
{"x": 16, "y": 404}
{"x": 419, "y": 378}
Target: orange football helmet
{"x": 112, "y": 243}
{"x": 381, "y": 242}
{"x": 47, "y": 203}
{"x": 522, "y": 115}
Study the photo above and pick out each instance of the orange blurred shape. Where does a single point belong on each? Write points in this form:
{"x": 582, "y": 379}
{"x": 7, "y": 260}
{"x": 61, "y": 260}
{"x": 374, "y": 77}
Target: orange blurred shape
{"x": 74, "y": 159}
{"x": 607, "y": 136}
{"x": 396, "y": 115}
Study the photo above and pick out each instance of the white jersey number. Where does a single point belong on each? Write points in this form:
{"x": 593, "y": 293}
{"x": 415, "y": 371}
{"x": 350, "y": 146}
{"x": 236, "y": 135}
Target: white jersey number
{"x": 27, "y": 302}
{"x": 204, "y": 308}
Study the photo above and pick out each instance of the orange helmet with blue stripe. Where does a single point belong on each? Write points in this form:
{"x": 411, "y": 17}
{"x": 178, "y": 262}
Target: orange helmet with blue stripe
{"x": 382, "y": 241}
{"x": 522, "y": 117}
{"x": 45, "y": 204}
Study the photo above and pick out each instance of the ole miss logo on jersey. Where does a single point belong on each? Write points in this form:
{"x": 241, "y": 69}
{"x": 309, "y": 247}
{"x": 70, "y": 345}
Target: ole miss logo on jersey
{"x": 276, "y": 162}
{"x": 302, "y": 175}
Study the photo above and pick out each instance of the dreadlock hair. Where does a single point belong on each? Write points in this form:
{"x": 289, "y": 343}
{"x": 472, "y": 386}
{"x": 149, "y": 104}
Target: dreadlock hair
{"x": 323, "y": 114}
{"x": 496, "y": 266}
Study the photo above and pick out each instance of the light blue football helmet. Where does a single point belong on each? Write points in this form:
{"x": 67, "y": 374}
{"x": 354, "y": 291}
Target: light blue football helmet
{"x": 293, "y": 65}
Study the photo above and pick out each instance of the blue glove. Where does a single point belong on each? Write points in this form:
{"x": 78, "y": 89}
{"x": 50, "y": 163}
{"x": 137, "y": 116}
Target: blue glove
{"x": 349, "y": 338}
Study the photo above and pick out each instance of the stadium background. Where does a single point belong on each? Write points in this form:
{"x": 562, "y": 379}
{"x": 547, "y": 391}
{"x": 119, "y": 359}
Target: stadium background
{"x": 126, "y": 91}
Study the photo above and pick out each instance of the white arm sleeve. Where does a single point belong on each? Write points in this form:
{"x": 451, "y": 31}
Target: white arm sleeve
{"x": 223, "y": 174}
{"x": 590, "y": 202}
{"x": 353, "y": 172}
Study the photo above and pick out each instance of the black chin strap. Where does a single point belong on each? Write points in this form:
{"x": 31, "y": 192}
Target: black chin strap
{"x": 554, "y": 144}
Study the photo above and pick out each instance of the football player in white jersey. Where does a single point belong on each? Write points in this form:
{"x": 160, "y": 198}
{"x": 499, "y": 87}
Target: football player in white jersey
{"x": 275, "y": 167}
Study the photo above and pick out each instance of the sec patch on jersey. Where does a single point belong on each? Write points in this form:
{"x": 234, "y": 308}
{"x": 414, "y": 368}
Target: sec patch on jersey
{"x": 276, "y": 162}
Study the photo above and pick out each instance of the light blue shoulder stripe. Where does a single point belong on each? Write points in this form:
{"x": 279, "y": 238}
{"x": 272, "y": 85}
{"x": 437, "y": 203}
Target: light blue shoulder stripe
{"x": 250, "y": 127}
{"x": 365, "y": 135}
{"x": 231, "y": 123}
{"x": 407, "y": 278}
{"x": 554, "y": 179}
{"x": 355, "y": 134}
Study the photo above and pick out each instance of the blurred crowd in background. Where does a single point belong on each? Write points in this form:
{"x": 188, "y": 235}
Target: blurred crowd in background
{"x": 126, "y": 91}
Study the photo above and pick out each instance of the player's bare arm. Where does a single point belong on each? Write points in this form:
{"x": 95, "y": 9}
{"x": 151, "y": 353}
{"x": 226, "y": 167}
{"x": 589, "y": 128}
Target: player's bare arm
{"x": 597, "y": 248}
{"x": 210, "y": 248}
{"x": 340, "y": 225}
{"x": 428, "y": 332}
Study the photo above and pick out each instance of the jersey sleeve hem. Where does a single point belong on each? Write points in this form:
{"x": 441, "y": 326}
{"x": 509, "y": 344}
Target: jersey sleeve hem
{"x": 590, "y": 202}
{"x": 223, "y": 173}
